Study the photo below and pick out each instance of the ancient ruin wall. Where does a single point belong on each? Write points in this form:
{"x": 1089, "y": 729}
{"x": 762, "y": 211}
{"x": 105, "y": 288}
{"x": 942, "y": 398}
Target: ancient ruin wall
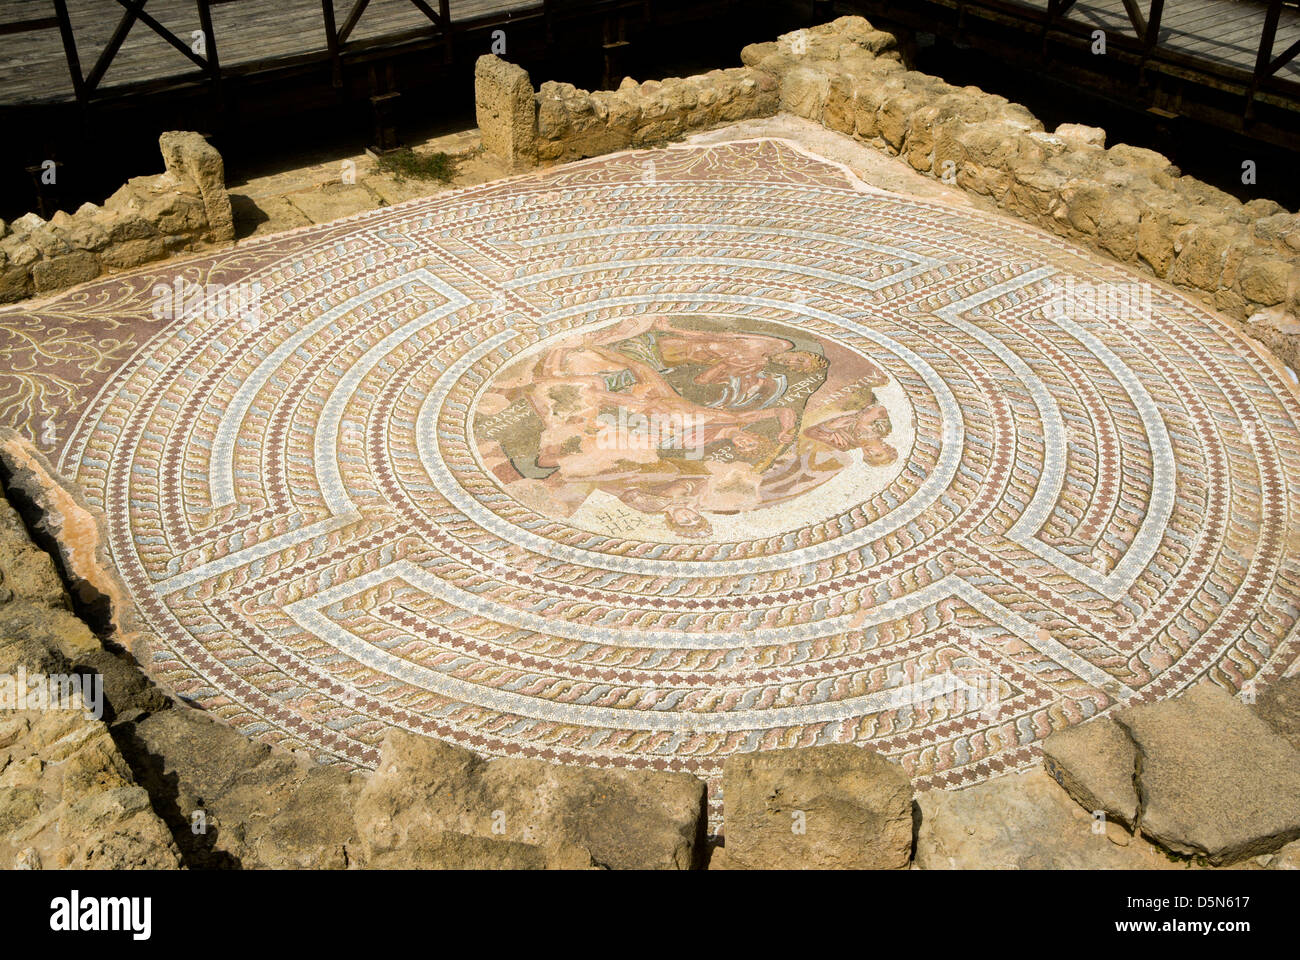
{"x": 148, "y": 218}
{"x": 560, "y": 122}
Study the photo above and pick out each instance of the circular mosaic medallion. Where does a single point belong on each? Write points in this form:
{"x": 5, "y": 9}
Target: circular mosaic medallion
{"x": 680, "y": 428}
{"x": 647, "y": 473}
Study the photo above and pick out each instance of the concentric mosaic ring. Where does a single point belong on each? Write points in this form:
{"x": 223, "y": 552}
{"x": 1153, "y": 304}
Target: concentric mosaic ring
{"x": 646, "y": 470}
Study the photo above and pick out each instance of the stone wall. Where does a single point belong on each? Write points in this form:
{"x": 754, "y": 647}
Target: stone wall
{"x": 1128, "y": 202}
{"x": 561, "y": 122}
{"x": 148, "y": 218}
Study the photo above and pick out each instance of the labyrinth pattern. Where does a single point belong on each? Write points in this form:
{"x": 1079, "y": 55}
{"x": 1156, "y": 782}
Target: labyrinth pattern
{"x": 952, "y": 485}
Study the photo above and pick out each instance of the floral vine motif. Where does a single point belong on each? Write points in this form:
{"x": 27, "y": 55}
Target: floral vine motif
{"x": 47, "y": 372}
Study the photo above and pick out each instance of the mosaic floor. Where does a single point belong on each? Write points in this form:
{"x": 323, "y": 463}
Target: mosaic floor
{"x": 662, "y": 457}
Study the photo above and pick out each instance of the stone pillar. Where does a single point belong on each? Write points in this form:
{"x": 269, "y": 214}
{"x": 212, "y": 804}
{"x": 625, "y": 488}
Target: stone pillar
{"x": 506, "y": 111}
{"x": 190, "y": 158}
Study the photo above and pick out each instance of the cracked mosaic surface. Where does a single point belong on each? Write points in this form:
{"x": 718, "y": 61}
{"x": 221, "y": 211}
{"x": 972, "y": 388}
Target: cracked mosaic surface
{"x": 386, "y": 500}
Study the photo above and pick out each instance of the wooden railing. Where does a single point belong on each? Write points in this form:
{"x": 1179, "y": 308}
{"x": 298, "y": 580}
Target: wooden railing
{"x": 1146, "y": 46}
{"x": 339, "y": 42}
{"x": 86, "y": 86}
{"x": 1147, "y": 29}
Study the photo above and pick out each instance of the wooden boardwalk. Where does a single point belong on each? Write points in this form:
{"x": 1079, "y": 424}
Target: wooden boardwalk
{"x": 1223, "y": 32}
{"x": 33, "y": 68}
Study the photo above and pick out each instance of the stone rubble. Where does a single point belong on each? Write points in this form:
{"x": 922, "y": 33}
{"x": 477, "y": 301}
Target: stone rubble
{"x": 148, "y": 218}
{"x": 561, "y": 122}
{"x": 1199, "y": 774}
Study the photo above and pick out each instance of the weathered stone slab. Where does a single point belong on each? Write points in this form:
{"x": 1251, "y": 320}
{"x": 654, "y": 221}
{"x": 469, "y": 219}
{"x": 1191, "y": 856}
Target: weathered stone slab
{"x": 1022, "y": 821}
{"x": 65, "y": 270}
{"x": 67, "y": 796}
{"x": 627, "y": 819}
{"x": 1095, "y": 763}
{"x": 1215, "y": 780}
{"x": 259, "y": 807}
{"x": 837, "y": 806}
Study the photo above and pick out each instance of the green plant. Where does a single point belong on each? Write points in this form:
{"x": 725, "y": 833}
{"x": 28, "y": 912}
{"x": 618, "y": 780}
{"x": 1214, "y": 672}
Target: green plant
{"x": 406, "y": 163}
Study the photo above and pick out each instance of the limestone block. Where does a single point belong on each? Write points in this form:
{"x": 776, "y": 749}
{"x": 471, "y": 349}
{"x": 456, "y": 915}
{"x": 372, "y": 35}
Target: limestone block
{"x": 64, "y": 271}
{"x": 1077, "y": 133}
{"x": 15, "y": 283}
{"x": 1155, "y": 240}
{"x": 506, "y": 111}
{"x": 840, "y": 109}
{"x": 628, "y": 819}
{"x": 48, "y": 242}
{"x": 1095, "y": 762}
{"x": 133, "y": 253}
{"x": 187, "y": 155}
{"x": 1142, "y": 159}
{"x": 25, "y": 224}
{"x": 1201, "y": 255}
{"x": 1262, "y": 278}
{"x": 837, "y": 806}
{"x": 804, "y": 91}
{"x": 1215, "y": 780}
{"x": 1022, "y": 821}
